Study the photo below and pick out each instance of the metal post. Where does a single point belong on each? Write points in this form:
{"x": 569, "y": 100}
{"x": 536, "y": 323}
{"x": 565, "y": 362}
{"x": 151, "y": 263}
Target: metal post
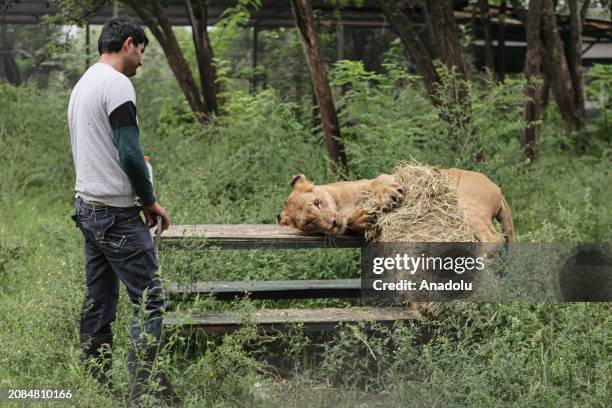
{"x": 340, "y": 41}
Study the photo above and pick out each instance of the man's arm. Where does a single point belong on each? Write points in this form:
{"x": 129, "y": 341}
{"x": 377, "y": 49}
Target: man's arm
{"x": 131, "y": 159}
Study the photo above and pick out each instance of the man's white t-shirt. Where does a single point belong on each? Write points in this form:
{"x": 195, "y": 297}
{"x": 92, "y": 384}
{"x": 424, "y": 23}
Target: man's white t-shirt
{"x": 99, "y": 176}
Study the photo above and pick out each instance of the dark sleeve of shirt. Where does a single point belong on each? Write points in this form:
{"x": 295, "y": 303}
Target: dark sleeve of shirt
{"x": 131, "y": 159}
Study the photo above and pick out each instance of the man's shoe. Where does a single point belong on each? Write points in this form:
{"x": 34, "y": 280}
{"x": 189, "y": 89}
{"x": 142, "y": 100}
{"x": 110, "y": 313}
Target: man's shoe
{"x": 96, "y": 353}
{"x": 140, "y": 377}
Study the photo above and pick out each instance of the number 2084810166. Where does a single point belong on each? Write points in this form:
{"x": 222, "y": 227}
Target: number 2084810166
{"x": 35, "y": 394}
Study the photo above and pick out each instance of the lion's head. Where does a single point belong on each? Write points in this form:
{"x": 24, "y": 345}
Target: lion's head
{"x": 311, "y": 209}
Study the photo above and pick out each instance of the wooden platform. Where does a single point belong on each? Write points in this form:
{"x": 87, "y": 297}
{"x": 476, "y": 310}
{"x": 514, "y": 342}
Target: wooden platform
{"x": 279, "y": 289}
{"x": 267, "y": 320}
{"x": 250, "y": 236}
{"x": 241, "y": 236}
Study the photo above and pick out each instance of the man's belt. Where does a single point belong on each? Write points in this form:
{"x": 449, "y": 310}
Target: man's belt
{"x": 94, "y": 203}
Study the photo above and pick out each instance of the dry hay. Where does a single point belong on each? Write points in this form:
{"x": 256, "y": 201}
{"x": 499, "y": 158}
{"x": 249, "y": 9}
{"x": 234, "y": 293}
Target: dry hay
{"x": 429, "y": 211}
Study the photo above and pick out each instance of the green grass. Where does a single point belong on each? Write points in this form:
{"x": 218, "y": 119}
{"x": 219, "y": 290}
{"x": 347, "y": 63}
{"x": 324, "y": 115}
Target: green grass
{"x": 237, "y": 171}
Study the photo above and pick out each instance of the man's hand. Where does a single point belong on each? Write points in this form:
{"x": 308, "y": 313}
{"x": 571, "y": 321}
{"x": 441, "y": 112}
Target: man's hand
{"x": 152, "y": 211}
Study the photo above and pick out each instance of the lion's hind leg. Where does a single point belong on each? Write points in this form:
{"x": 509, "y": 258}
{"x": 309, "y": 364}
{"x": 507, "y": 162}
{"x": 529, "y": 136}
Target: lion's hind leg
{"x": 486, "y": 234}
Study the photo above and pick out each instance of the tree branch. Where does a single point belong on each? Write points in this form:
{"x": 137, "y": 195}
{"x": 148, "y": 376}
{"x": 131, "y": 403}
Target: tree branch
{"x": 404, "y": 29}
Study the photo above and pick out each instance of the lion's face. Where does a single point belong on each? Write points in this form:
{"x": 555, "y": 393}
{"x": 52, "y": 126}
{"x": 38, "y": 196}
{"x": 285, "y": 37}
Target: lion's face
{"x": 311, "y": 209}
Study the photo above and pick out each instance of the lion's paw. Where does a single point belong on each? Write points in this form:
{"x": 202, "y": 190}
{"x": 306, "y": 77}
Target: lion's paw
{"x": 388, "y": 195}
{"x": 360, "y": 220}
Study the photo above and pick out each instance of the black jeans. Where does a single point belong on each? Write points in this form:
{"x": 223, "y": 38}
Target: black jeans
{"x": 119, "y": 247}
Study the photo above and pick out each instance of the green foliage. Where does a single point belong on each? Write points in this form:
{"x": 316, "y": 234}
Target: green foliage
{"x": 229, "y": 39}
{"x": 488, "y": 128}
{"x": 600, "y": 83}
{"x": 285, "y": 68}
{"x": 35, "y": 144}
{"x": 599, "y": 79}
{"x": 237, "y": 170}
{"x": 345, "y": 3}
{"x": 234, "y": 18}
{"x": 46, "y": 54}
{"x": 70, "y": 11}
{"x": 479, "y": 356}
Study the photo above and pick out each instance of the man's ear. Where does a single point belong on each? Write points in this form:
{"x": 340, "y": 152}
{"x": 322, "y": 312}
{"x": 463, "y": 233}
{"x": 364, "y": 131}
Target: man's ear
{"x": 128, "y": 41}
{"x": 300, "y": 182}
{"x": 284, "y": 219}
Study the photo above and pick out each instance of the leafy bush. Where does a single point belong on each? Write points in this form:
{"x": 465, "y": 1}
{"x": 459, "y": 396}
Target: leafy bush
{"x": 237, "y": 170}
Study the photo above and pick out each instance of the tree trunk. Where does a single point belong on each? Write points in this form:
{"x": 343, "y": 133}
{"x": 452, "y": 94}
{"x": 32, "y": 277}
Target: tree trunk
{"x": 574, "y": 58}
{"x": 457, "y": 106}
{"x": 488, "y": 36}
{"x": 197, "y": 11}
{"x": 155, "y": 18}
{"x": 452, "y": 100}
{"x": 302, "y": 10}
{"x": 8, "y": 66}
{"x": 404, "y": 29}
{"x": 501, "y": 42}
{"x": 432, "y": 47}
{"x": 545, "y": 95}
{"x": 446, "y": 34}
{"x": 556, "y": 67}
{"x": 534, "y": 88}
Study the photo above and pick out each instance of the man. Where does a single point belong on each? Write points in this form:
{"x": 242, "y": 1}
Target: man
{"x": 110, "y": 174}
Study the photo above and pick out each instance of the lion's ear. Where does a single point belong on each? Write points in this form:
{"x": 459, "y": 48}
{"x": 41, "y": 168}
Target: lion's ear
{"x": 297, "y": 178}
{"x": 300, "y": 182}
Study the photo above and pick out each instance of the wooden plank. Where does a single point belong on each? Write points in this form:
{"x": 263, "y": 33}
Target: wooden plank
{"x": 251, "y": 236}
{"x": 280, "y": 289}
{"x": 322, "y": 319}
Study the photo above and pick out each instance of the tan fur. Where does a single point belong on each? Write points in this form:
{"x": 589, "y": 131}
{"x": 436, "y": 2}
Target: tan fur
{"x": 336, "y": 209}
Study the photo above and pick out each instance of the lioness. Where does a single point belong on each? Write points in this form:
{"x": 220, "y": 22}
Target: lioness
{"x": 336, "y": 209}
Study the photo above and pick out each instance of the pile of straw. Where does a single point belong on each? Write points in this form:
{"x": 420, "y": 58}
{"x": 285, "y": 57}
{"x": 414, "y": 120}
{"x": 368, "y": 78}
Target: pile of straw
{"x": 429, "y": 211}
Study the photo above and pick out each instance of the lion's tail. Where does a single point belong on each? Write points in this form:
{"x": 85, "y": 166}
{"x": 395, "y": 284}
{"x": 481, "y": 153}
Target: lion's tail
{"x": 504, "y": 216}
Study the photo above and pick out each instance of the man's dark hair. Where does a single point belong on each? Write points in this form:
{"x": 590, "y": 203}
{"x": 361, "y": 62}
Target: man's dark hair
{"x": 116, "y": 31}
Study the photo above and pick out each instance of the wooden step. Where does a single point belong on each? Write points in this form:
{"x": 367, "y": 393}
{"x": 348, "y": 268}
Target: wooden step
{"x": 281, "y": 289}
{"x": 250, "y": 236}
{"x": 315, "y": 320}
